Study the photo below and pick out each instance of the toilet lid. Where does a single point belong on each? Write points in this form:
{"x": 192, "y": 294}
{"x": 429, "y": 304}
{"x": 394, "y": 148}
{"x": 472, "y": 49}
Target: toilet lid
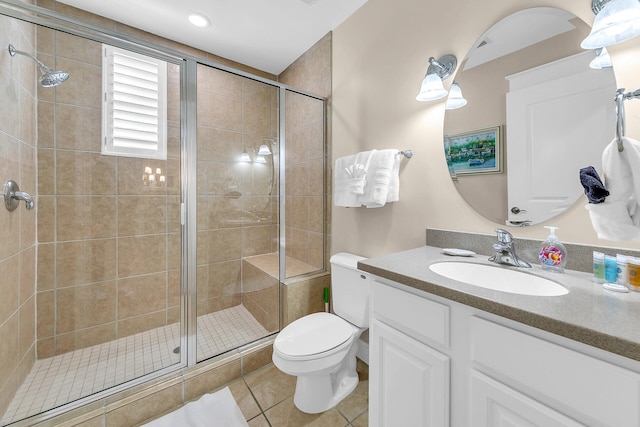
{"x": 313, "y": 334}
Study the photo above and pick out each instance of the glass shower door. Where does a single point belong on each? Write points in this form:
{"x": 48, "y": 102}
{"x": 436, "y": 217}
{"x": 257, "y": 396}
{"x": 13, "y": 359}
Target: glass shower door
{"x": 237, "y": 205}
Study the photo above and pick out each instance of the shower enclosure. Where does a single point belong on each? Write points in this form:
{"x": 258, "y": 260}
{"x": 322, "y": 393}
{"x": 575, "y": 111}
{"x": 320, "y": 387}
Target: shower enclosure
{"x": 163, "y": 226}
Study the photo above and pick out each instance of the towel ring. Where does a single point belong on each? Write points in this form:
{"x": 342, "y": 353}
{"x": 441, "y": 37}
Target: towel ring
{"x": 620, "y": 115}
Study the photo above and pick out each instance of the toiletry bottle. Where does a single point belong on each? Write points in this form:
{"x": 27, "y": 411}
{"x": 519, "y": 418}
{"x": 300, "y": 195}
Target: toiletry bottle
{"x": 598, "y": 267}
{"x": 610, "y": 269}
{"x": 623, "y": 269}
{"x": 553, "y": 254}
{"x": 633, "y": 281}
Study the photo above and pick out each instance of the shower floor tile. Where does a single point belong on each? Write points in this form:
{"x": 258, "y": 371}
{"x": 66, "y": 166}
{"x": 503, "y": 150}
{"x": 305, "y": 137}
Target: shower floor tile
{"x": 61, "y": 379}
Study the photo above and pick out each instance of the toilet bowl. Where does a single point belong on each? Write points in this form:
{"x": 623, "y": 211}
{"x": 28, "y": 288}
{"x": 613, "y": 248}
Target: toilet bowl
{"x": 320, "y": 349}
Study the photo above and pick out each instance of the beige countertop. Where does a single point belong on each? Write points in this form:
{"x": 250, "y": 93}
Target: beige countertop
{"x": 588, "y": 313}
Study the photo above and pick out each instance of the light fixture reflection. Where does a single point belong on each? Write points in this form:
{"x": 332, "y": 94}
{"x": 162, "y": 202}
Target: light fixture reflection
{"x": 264, "y": 150}
{"x": 616, "y": 21}
{"x": 602, "y": 60}
{"x": 260, "y": 159}
{"x": 455, "y": 100}
{"x": 244, "y": 157}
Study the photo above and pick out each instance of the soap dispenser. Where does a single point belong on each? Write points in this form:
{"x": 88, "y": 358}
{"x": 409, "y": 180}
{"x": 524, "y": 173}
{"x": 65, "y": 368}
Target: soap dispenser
{"x": 553, "y": 254}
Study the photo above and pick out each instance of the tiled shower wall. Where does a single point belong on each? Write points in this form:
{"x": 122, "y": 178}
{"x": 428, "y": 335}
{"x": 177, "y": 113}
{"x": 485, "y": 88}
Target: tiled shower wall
{"x": 109, "y": 245}
{"x": 307, "y": 157}
{"x": 237, "y": 201}
{"x": 18, "y": 80}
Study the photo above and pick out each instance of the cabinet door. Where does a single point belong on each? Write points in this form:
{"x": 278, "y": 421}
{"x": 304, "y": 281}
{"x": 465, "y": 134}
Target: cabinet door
{"x": 408, "y": 381}
{"x": 495, "y": 405}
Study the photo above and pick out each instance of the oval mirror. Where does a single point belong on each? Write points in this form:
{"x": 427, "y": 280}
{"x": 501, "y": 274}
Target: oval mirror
{"x": 536, "y": 114}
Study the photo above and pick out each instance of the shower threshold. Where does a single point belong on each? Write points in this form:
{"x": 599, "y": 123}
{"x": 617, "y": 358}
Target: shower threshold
{"x": 61, "y": 379}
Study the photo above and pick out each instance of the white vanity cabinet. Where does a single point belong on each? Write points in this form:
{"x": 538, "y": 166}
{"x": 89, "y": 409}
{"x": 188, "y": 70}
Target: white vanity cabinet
{"x": 435, "y": 362}
{"x": 408, "y": 379}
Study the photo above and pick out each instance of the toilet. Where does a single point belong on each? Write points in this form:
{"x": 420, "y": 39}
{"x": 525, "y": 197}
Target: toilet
{"x": 320, "y": 349}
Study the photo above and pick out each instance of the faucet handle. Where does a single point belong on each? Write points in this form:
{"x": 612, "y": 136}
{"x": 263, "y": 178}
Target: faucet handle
{"x": 504, "y": 236}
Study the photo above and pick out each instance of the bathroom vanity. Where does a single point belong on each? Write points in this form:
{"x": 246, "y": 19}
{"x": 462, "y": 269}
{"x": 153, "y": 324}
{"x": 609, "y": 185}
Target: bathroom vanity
{"x": 448, "y": 353}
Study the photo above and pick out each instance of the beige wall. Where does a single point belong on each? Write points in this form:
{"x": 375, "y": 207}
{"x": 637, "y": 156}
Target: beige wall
{"x": 18, "y": 249}
{"x": 379, "y": 58}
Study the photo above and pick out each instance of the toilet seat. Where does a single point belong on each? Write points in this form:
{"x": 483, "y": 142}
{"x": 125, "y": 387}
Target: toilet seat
{"x": 312, "y": 335}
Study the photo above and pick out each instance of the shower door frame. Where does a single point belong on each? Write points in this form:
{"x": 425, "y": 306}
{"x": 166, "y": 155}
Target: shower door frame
{"x": 188, "y": 161}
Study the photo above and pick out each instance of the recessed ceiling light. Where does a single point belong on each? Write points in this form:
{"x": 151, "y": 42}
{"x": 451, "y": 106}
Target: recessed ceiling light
{"x": 198, "y": 20}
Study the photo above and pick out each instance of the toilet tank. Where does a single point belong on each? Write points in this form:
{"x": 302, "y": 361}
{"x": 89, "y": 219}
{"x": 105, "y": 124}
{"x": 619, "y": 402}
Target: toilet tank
{"x": 350, "y": 289}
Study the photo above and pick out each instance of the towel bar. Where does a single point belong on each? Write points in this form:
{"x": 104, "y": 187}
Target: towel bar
{"x": 620, "y": 116}
{"x": 407, "y": 153}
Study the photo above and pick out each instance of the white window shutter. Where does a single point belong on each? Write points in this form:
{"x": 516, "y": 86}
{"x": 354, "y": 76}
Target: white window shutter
{"x": 134, "y": 105}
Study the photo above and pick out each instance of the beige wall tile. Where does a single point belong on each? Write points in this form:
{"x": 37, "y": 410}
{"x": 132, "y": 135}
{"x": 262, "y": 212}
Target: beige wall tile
{"x": 210, "y": 380}
{"x": 141, "y": 295}
{"x": 46, "y": 266}
{"x": 78, "y": 128}
{"x": 85, "y": 217}
{"x": 46, "y": 172}
{"x": 27, "y": 327}
{"x": 256, "y": 359}
{"x": 134, "y": 325}
{"x": 84, "y": 88}
{"x": 85, "y": 173}
{"x": 141, "y": 255}
{"x": 85, "y": 338}
{"x": 145, "y": 408}
{"x": 46, "y": 219}
{"x": 9, "y": 354}
{"x": 85, "y": 261}
{"x": 142, "y": 215}
{"x": 78, "y": 48}
{"x": 27, "y": 273}
{"x": 80, "y": 307}
{"x": 45, "y": 314}
{"x": 9, "y": 286}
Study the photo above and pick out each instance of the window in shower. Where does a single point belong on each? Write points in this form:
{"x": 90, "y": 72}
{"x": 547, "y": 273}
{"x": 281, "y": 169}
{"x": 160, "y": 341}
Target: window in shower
{"x": 237, "y": 222}
{"x": 134, "y": 104}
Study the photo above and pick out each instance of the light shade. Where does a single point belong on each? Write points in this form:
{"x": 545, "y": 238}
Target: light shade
{"x": 431, "y": 88}
{"x": 602, "y": 60}
{"x": 455, "y": 100}
{"x": 264, "y": 150}
{"x": 618, "y": 21}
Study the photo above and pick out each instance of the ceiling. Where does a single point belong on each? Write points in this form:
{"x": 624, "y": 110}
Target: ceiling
{"x": 265, "y": 34}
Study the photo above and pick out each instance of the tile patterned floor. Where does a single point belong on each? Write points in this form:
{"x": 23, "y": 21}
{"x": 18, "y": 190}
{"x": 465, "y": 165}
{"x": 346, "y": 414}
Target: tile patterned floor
{"x": 61, "y": 379}
{"x": 265, "y": 397}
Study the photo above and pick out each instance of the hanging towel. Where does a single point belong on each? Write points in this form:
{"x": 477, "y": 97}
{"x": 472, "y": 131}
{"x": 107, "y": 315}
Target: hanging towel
{"x": 382, "y": 179}
{"x": 618, "y": 218}
{"x": 349, "y": 179}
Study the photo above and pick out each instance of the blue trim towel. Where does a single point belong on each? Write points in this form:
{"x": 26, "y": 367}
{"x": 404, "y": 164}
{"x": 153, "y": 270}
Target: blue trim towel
{"x": 594, "y": 189}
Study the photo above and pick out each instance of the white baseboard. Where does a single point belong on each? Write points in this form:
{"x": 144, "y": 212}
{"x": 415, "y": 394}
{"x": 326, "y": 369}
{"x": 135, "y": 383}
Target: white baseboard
{"x": 363, "y": 351}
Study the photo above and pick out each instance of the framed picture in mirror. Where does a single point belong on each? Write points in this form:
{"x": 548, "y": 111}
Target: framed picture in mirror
{"x": 474, "y": 152}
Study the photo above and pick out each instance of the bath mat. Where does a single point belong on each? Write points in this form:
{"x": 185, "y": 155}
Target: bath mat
{"x": 218, "y": 409}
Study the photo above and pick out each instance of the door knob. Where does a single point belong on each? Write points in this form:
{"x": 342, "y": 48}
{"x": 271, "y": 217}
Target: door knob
{"x": 516, "y": 210}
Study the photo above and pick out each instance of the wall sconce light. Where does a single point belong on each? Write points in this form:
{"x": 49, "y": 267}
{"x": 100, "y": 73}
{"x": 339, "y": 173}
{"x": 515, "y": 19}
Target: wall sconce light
{"x": 616, "y": 21}
{"x": 455, "y": 99}
{"x": 602, "y": 60}
{"x": 438, "y": 71}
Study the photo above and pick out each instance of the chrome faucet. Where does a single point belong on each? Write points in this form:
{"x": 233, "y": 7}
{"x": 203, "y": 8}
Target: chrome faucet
{"x": 506, "y": 252}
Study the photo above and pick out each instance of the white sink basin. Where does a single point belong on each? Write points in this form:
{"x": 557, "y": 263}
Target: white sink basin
{"x": 498, "y": 278}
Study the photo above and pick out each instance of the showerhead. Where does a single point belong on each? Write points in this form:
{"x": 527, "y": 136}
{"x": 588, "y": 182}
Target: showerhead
{"x": 49, "y": 77}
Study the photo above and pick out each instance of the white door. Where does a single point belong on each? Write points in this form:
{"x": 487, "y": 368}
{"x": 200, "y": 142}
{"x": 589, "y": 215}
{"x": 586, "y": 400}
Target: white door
{"x": 550, "y": 106}
{"x": 408, "y": 382}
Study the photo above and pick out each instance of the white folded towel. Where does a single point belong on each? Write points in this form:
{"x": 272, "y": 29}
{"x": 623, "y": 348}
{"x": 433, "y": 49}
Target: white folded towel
{"x": 382, "y": 179}
{"x": 369, "y": 178}
{"x": 342, "y": 177}
{"x": 618, "y": 218}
